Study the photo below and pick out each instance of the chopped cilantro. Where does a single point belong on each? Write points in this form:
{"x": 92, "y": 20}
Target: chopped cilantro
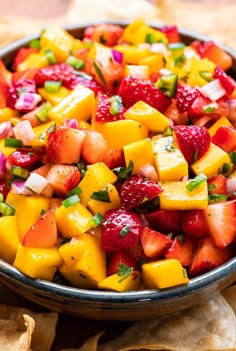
{"x": 124, "y": 271}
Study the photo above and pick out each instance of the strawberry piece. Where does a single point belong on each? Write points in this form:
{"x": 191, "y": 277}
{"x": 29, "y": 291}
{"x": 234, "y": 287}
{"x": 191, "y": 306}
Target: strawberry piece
{"x": 21, "y": 55}
{"x": 165, "y": 221}
{"x": 94, "y": 147}
{"x": 108, "y": 108}
{"x": 58, "y": 72}
{"x": 194, "y": 141}
{"x": 22, "y": 85}
{"x": 194, "y": 223}
{"x": 25, "y": 158}
{"x": 120, "y": 230}
{"x": 64, "y": 145}
{"x": 217, "y": 185}
{"x": 134, "y": 89}
{"x": 114, "y": 158}
{"x": 137, "y": 253}
{"x": 88, "y": 83}
{"x": 225, "y": 138}
{"x": 107, "y": 34}
{"x": 227, "y": 82}
{"x": 27, "y": 74}
{"x": 154, "y": 243}
{"x": 182, "y": 249}
{"x": 63, "y": 178}
{"x": 172, "y": 33}
{"x": 4, "y": 189}
{"x": 201, "y": 103}
{"x": 137, "y": 190}
{"x": 185, "y": 96}
{"x": 119, "y": 257}
{"x": 221, "y": 220}
{"x": 5, "y": 83}
{"x": 207, "y": 257}
{"x": 43, "y": 233}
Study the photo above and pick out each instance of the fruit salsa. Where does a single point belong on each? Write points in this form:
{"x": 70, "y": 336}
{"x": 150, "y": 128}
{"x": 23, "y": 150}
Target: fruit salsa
{"x": 117, "y": 158}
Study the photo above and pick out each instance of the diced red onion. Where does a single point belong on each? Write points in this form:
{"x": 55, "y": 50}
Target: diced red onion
{"x": 213, "y": 90}
{"x": 165, "y": 72}
{"x": 72, "y": 123}
{"x": 159, "y": 48}
{"x": 27, "y": 102}
{"x": 190, "y": 52}
{"x": 117, "y": 56}
{"x": 36, "y": 183}
{"x": 232, "y": 110}
{"x": 201, "y": 122}
{"x": 18, "y": 188}
{"x": 3, "y": 161}
{"x": 5, "y": 130}
{"x": 231, "y": 184}
{"x": 149, "y": 171}
{"x": 24, "y": 131}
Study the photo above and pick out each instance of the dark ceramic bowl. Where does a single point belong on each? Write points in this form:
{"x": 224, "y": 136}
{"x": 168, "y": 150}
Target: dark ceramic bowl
{"x": 111, "y": 305}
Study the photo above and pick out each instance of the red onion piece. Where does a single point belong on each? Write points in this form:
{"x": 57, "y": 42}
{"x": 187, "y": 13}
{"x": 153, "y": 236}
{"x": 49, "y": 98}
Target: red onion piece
{"x": 3, "y": 161}
{"x": 27, "y": 102}
{"x": 231, "y": 184}
{"x": 18, "y": 188}
{"x": 24, "y": 131}
{"x": 232, "y": 110}
{"x": 5, "y": 130}
{"x": 117, "y": 56}
{"x": 72, "y": 123}
{"x": 213, "y": 90}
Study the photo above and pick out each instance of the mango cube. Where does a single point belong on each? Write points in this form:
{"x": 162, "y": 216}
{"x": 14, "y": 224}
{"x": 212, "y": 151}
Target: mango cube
{"x": 140, "y": 152}
{"x": 72, "y": 251}
{"x": 6, "y": 113}
{"x": 154, "y": 62}
{"x": 35, "y": 60}
{"x": 54, "y": 98}
{"x": 96, "y": 206}
{"x": 4, "y": 149}
{"x": 138, "y": 71}
{"x": 41, "y": 135}
{"x": 9, "y": 237}
{"x": 222, "y": 121}
{"x": 115, "y": 282}
{"x": 132, "y": 54}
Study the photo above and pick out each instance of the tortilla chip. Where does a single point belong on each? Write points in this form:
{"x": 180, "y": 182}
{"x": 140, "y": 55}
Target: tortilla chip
{"x": 90, "y": 344}
{"x": 230, "y": 296}
{"x": 208, "y": 326}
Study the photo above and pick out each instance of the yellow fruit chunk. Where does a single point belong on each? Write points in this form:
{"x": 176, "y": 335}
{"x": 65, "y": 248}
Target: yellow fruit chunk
{"x": 169, "y": 160}
{"x": 35, "y": 60}
{"x": 9, "y": 238}
{"x": 120, "y": 133}
{"x": 78, "y": 104}
{"x": 140, "y": 153}
{"x": 73, "y": 220}
{"x": 222, "y": 121}
{"x": 176, "y": 196}
{"x": 54, "y": 98}
{"x": 59, "y": 41}
{"x": 163, "y": 274}
{"x": 118, "y": 283}
{"x": 72, "y": 251}
{"x": 90, "y": 268}
{"x": 6, "y": 113}
{"x": 132, "y": 54}
{"x": 96, "y": 178}
{"x": 138, "y": 71}
{"x": 27, "y": 209}
{"x": 5, "y": 149}
{"x": 37, "y": 263}
{"x": 41, "y": 135}
{"x": 212, "y": 162}
{"x": 150, "y": 117}
{"x": 96, "y": 206}
{"x": 154, "y": 62}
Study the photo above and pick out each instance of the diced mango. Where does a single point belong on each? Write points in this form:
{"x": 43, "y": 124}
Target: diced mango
{"x": 115, "y": 282}
{"x": 96, "y": 178}
{"x": 176, "y": 196}
{"x": 138, "y": 71}
{"x": 6, "y": 150}
{"x": 36, "y": 60}
{"x": 41, "y": 135}
{"x": 37, "y": 263}
{"x": 163, "y": 274}
{"x": 54, "y": 98}
{"x": 132, "y": 54}
{"x": 78, "y": 104}
{"x": 27, "y": 209}
{"x": 90, "y": 269}
{"x": 120, "y": 133}
{"x": 212, "y": 162}
{"x": 6, "y": 113}
{"x": 154, "y": 120}
{"x": 72, "y": 251}
{"x": 96, "y": 206}
{"x": 73, "y": 220}
{"x": 155, "y": 62}
{"x": 169, "y": 160}
{"x": 140, "y": 152}
{"x": 222, "y": 121}
{"x": 9, "y": 237}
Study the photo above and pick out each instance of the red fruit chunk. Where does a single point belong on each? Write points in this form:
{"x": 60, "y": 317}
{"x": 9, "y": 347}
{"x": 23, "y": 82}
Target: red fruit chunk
{"x": 185, "y": 96}
{"x": 217, "y": 185}
{"x": 43, "y": 233}
{"x": 64, "y": 145}
{"x": 120, "y": 230}
{"x": 94, "y": 147}
{"x": 4, "y": 84}
{"x": 137, "y": 252}
{"x": 172, "y": 33}
{"x": 194, "y": 223}
{"x": 182, "y": 249}
{"x": 194, "y": 141}
{"x": 165, "y": 221}
{"x": 226, "y": 81}
{"x": 58, "y": 72}
{"x": 22, "y": 85}
{"x": 207, "y": 257}
{"x": 63, "y": 178}
{"x": 21, "y": 55}
{"x": 201, "y": 103}
{"x": 107, "y": 34}
{"x": 119, "y": 257}
{"x": 88, "y": 83}
{"x": 25, "y": 158}
{"x": 225, "y": 138}
{"x": 221, "y": 220}
{"x": 134, "y": 89}
{"x": 4, "y": 189}
{"x": 154, "y": 243}
{"x": 108, "y": 108}
{"x": 114, "y": 158}
{"x": 137, "y": 190}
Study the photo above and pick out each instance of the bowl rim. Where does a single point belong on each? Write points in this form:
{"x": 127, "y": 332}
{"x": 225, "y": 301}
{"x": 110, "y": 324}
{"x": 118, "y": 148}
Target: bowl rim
{"x": 9, "y": 273}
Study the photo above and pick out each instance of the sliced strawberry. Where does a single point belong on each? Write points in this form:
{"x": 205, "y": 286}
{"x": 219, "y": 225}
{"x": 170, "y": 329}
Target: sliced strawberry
{"x": 4, "y": 189}
{"x": 119, "y": 257}
{"x": 137, "y": 253}
{"x": 120, "y": 230}
{"x": 225, "y": 138}
{"x": 58, "y": 72}
{"x": 114, "y": 158}
{"x": 172, "y": 33}
{"x": 194, "y": 223}
{"x": 207, "y": 257}
{"x": 64, "y": 145}
{"x": 221, "y": 220}
{"x": 22, "y": 85}
{"x": 107, "y": 34}
{"x": 43, "y": 233}
{"x": 181, "y": 249}
{"x": 185, "y": 96}
{"x": 194, "y": 141}
{"x": 63, "y": 178}
{"x": 134, "y": 89}
{"x": 108, "y": 109}
{"x": 137, "y": 190}
{"x": 165, "y": 221}
{"x": 217, "y": 185}
{"x": 25, "y": 158}
{"x": 202, "y": 104}
{"x": 94, "y": 147}
{"x": 21, "y": 55}
{"x": 154, "y": 243}
{"x": 227, "y": 82}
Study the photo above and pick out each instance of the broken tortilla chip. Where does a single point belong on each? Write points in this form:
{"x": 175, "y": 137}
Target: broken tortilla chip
{"x": 230, "y": 296}
{"x": 90, "y": 344}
